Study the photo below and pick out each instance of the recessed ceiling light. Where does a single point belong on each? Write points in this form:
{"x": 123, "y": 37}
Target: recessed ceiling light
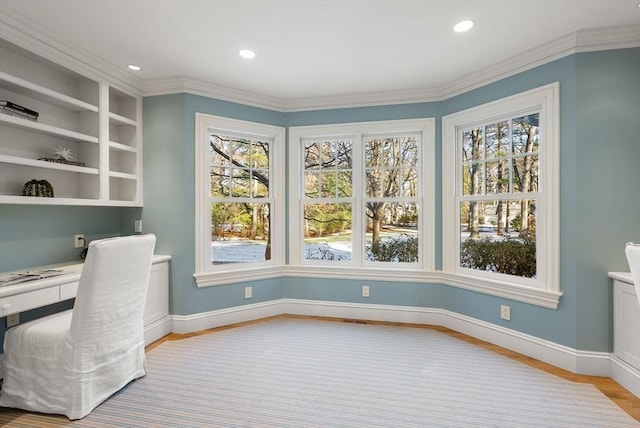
{"x": 246, "y": 53}
{"x": 463, "y": 26}
{"x": 134, "y": 67}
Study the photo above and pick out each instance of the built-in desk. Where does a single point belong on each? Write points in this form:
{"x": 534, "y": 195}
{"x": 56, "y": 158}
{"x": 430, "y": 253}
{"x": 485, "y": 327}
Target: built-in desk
{"x": 42, "y": 292}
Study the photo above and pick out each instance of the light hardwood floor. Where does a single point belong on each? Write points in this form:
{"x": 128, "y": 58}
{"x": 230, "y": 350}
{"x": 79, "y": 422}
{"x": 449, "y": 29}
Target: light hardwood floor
{"x": 623, "y": 398}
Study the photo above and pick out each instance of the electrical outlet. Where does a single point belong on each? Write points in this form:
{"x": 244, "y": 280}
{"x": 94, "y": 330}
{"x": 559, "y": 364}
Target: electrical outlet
{"x": 365, "y": 291}
{"x": 137, "y": 226}
{"x": 13, "y": 319}
{"x": 505, "y": 312}
{"x": 248, "y": 292}
{"x": 78, "y": 241}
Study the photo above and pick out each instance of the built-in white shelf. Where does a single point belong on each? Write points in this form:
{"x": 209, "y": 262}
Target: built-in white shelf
{"x": 15, "y": 160}
{"x": 96, "y": 121}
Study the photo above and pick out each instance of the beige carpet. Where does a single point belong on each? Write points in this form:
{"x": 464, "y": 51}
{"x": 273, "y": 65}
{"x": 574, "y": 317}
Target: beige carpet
{"x": 312, "y": 373}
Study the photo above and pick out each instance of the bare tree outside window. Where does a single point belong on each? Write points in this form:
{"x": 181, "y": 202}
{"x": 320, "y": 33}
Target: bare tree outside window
{"x": 499, "y": 194}
{"x": 240, "y": 204}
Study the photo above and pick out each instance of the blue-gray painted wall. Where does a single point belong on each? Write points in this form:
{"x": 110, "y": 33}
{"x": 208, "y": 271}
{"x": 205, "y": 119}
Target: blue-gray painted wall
{"x": 600, "y": 201}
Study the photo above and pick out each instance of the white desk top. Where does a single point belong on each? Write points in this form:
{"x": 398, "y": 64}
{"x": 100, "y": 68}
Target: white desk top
{"x": 622, "y": 276}
{"x": 73, "y": 276}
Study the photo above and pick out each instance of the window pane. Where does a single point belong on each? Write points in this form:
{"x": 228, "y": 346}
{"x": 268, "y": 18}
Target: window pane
{"x": 311, "y": 155}
{"x": 391, "y": 167}
{"x": 472, "y": 178}
{"x": 494, "y": 237}
{"x": 472, "y": 145}
{"x": 392, "y": 232}
{"x": 410, "y": 182}
{"x": 260, "y": 183}
{"x": 525, "y": 134}
{"x": 328, "y": 169}
{"x": 497, "y": 177}
{"x": 525, "y": 173}
{"x": 312, "y": 184}
{"x": 240, "y": 232}
{"x": 259, "y": 155}
{"x": 327, "y": 232}
{"x": 239, "y": 182}
{"x": 344, "y": 186}
{"x": 219, "y": 182}
{"x": 328, "y": 180}
{"x": 239, "y": 167}
{"x": 497, "y": 136}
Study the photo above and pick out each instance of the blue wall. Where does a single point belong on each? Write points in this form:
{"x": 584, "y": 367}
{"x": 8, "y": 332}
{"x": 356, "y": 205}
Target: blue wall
{"x": 600, "y": 201}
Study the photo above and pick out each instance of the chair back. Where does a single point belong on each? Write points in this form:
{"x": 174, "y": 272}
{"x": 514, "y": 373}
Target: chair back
{"x": 108, "y": 312}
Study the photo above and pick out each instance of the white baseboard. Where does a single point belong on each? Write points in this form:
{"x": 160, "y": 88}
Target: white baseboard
{"x": 575, "y": 361}
{"x": 625, "y": 375}
{"x": 157, "y": 330}
{"x": 202, "y": 321}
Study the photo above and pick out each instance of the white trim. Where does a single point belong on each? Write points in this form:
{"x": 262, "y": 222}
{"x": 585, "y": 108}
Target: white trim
{"x": 530, "y": 295}
{"x": 625, "y": 375}
{"x": 576, "y": 361}
{"x": 197, "y": 322}
{"x": 206, "y": 274}
{"x": 587, "y": 40}
{"x": 544, "y": 99}
{"x": 157, "y": 330}
{"x": 18, "y": 30}
{"x": 184, "y": 84}
{"x": 425, "y": 127}
{"x": 245, "y": 274}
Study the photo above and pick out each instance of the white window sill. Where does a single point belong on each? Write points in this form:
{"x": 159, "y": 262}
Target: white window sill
{"x": 210, "y": 279}
{"x": 530, "y": 295}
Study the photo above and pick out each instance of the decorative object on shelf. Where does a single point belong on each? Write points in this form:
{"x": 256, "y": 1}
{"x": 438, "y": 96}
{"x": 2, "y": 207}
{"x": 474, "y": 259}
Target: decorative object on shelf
{"x": 62, "y": 155}
{"x": 16, "y": 110}
{"x": 38, "y": 188}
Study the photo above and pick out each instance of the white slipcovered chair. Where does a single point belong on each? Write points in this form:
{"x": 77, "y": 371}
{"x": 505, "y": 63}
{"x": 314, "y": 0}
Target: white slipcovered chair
{"x": 68, "y": 363}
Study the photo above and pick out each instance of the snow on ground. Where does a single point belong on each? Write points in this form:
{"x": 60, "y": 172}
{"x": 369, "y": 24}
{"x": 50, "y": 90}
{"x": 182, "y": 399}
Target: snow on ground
{"x": 253, "y": 251}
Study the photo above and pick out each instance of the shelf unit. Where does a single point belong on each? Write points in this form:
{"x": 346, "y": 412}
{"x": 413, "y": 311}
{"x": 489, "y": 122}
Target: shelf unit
{"x": 98, "y": 122}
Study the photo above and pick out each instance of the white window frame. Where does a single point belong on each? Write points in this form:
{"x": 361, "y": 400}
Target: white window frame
{"x": 207, "y": 274}
{"x": 544, "y": 290}
{"x": 357, "y": 268}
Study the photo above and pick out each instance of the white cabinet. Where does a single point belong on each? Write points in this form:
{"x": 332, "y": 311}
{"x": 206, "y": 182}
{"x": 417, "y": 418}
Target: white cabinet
{"x": 157, "y": 304}
{"x": 626, "y": 321}
{"x": 97, "y": 122}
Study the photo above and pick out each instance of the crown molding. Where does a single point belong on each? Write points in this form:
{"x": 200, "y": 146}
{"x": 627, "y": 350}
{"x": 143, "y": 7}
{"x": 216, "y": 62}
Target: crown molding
{"x": 18, "y": 30}
{"x": 184, "y": 84}
{"x": 580, "y": 41}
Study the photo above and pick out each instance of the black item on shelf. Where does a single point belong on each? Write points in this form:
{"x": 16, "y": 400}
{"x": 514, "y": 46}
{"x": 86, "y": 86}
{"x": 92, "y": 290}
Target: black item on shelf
{"x": 17, "y": 113}
{"x": 18, "y": 107}
{"x": 38, "y": 188}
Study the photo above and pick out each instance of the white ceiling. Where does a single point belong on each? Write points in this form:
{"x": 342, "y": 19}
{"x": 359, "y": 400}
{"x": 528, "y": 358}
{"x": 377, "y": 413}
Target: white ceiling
{"x": 315, "y": 48}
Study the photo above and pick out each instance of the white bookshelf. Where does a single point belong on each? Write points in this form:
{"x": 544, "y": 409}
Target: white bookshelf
{"x": 99, "y": 123}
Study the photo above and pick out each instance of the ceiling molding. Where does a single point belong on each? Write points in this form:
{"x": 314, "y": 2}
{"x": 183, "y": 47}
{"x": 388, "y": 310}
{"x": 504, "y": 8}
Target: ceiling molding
{"x": 580, "y": 41}
{"x": 183, "y": 84}
{"x": 20, "y": 31}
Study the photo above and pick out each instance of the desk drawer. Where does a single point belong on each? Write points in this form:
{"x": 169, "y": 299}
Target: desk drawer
{"x": 69, "y": 290}
{"x": 26, "y": 301}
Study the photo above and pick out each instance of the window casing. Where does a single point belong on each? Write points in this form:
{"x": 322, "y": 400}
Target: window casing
{"x": 239, "y": 193}
{"x": 360, "y": 198}
{"x": 500, "y": 192}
